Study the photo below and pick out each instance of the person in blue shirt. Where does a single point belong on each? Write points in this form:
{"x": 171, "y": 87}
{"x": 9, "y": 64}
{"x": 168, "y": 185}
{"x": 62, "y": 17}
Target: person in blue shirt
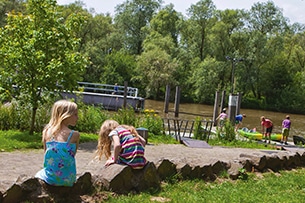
{"x": 238, "y": 120}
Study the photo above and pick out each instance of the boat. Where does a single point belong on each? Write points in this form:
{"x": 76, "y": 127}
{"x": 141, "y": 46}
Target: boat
{"x": 109, "y": 97}
{"x": 254, "y": 135}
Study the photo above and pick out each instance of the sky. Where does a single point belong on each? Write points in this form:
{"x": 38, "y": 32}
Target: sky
{"x": 292, "y": 9}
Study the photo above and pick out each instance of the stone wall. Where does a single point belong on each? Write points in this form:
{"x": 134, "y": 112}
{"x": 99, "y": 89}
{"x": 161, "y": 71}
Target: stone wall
{"x": 122, "y": 179}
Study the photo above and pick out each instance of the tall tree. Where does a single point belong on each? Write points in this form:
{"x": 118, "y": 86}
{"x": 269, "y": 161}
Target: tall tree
{"x": 166, "y": 21}
{"x": 39, "y": 51}
{"x": 155, "y": 65}
{"x": 131, "y": 17}
{"x": 196, "y": 28}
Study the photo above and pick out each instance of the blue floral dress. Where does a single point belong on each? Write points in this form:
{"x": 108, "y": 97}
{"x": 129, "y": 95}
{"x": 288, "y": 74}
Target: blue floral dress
{"x": 59, "y": 163}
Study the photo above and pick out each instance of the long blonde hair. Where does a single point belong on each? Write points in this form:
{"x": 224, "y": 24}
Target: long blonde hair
{"x": 61, "y": 110}
{"x": 104, "y": 141}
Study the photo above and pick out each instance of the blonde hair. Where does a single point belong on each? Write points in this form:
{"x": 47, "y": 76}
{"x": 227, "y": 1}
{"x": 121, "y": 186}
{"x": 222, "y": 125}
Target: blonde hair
{"x": 104, "y": 141}
{"x": 61, "y": 110}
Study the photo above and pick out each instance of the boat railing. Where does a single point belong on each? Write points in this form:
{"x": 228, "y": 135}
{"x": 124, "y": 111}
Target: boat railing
{"x": 107, "y": 89}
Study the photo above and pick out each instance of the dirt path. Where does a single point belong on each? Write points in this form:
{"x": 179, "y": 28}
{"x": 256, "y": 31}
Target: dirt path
{"x": 14, "y": 164}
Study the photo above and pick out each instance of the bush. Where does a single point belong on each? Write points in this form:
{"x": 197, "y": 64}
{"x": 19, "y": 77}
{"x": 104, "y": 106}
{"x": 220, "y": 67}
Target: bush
{"x": 151, "y": 121}
{"x": 228, "y": 134}
{"x": 90, "y": 119}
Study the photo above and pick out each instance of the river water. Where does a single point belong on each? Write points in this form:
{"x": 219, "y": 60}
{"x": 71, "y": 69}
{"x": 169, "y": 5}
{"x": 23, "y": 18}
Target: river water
{"x": 251, "y": 121}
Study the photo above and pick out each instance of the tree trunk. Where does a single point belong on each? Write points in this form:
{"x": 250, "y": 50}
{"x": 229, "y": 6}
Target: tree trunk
{"x": 34, "y": 110}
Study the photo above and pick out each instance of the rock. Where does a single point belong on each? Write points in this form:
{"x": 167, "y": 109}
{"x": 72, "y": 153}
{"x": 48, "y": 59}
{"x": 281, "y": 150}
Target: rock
{"x": 183, "y": 170}
{"x": 234, "y": 170}
{"x": 166, "y": 169}
{"x": 116, "y": 178}
{"x": 122, "y": 179}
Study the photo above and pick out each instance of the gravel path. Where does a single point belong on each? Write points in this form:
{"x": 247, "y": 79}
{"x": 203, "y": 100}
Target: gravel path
{"x": 14, "y": 164}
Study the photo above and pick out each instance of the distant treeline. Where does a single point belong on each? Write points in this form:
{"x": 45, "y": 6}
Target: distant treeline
{"x": 151, "y": 45}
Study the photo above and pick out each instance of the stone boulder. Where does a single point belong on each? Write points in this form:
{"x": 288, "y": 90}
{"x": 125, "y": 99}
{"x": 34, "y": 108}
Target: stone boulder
{"x": 123, "y": 179}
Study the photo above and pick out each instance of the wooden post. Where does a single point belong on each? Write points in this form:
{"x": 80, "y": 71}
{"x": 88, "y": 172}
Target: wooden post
{"x": 166, "y": 103}
{"x": 238, "y": 103}
{"x": 222, "y": 103}
{"x": 215, "y": 113}
{"x": 232, "y": 107}
{"x": 177, "y": 101}
{"x": 125, "y": 94}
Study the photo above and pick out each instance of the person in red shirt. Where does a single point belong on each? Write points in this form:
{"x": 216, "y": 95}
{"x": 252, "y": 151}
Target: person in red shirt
{"x": 266, "y": 125}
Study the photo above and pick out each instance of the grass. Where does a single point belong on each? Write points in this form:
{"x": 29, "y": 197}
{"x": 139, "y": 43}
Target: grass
{"x": 16, "y": 140}
{"x": 286, "y": 186}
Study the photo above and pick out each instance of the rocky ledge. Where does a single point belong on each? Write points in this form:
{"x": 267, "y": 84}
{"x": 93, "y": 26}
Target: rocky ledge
{"x": 122, "y": 179}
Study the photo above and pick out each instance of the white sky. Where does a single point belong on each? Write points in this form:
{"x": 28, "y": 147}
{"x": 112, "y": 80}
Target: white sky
{"x": 292, "y": 9}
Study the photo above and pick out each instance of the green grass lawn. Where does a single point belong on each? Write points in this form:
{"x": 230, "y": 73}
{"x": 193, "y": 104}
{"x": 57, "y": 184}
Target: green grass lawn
{"x": 284, "y": 187}
{"x": 16, "y": 140}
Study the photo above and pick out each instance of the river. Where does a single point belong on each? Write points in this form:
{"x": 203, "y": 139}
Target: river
{"x": 252, "y": 119}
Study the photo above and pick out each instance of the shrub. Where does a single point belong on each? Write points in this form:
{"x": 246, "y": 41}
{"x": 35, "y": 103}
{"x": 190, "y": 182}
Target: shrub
{"x": 151, "y": 121}
{"x": 90, "y": 118}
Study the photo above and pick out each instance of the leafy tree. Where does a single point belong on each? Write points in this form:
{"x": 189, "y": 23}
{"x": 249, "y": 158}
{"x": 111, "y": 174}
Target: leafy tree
{"x": 155, "y": 65}
{"x": 131, "y": 17}
{"x": 166, "y": 21}
{"x": 119, "y": 67}
{"x": 205, "y": 79}
{"x": 8, "y": 6}
{"x": 196, "y": 28}
{"x": 39, "y": 52}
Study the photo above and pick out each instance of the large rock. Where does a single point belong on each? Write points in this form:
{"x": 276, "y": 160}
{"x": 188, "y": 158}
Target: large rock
{"x": 166, "y": 169}
{"x": 122, "y": 179}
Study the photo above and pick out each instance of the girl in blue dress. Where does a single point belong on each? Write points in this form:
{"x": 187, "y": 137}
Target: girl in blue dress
{"x": 60, "y": 145}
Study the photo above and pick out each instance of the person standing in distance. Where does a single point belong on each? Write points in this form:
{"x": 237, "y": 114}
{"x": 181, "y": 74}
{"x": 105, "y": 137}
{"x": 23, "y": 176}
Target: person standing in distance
{"x": 268, "y": 126}
{"x": 238, "y": 121}
{"x": 285, "y": 129}
{"x": 60, "y": 144}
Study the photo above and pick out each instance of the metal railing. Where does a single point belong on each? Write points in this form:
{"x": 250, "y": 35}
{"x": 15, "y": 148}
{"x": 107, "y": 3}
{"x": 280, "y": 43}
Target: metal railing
{"x": 108, "y": 89}
{"x": 180, "y": 128}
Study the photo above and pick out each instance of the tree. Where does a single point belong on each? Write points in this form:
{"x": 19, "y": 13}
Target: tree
{"x": 155, "y": 65}
{"x": 165, "y": 22}
{"x": 38, "y": 51}
{"x": 197, "y": 27}
{"x": 8, "y": 6}
{"x": 131, "y": 17}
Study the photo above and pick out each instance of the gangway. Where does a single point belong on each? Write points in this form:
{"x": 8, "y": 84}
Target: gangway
{"x": 110, "y": 97}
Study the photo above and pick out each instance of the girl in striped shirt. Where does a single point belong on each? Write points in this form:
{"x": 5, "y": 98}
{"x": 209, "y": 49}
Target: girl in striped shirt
{"x": 128, "y": 145}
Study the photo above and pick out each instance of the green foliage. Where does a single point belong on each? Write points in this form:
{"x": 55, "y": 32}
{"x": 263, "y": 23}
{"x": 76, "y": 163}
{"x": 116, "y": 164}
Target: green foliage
{"x": 90, "y": 118}
{"x": 200, "y": 131}
{"x": 151, "y": 121}
{"x": 242, "y": 174}
{"x": 7, "y": 116}
{"x": 119, "y": 67}
{"x": 228, "y": 132}
{"x": 131, "y": 18}
{"x": 39, "y": 52}
{"x": 126, "y": 116}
